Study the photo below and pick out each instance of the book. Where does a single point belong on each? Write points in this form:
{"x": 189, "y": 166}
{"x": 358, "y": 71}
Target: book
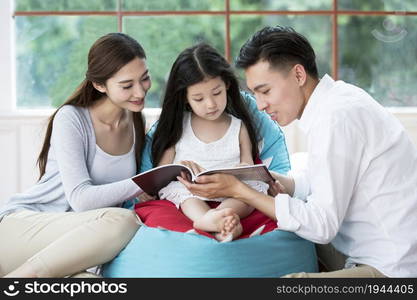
{"x": 155, "y": 179}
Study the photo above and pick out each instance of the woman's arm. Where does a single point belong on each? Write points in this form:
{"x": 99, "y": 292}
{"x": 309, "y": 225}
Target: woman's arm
{"x": 70, "y": 141}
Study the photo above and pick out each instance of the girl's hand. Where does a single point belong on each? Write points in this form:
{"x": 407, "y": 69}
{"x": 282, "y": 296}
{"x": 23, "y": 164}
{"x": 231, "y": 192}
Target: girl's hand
{"x": 145, "y": 197}
{"x": 196, "y": 168}
{"x": 243, "y": 164}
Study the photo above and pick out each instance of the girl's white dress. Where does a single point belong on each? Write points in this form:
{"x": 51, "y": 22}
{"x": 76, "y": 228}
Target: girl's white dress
{"x": 223, "y": 153}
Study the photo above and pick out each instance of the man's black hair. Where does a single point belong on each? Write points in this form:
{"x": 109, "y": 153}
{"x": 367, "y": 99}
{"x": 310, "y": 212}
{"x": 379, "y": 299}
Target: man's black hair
{"x": 281, "y": 46}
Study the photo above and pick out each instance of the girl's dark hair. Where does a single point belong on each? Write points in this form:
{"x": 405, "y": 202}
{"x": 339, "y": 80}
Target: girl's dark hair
{"x": 192, "y": 66}
{"x": 280, "y": 46}
{"x": 107, "y": 56}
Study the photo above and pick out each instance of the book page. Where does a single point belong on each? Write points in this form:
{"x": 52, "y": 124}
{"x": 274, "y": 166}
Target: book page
{"x": 155, "y": 179}
{"x": 255, "y": 172}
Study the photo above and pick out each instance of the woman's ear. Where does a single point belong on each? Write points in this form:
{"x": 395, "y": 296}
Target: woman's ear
{"x": 227, "y": 85}
{"x": 100, "y": 87}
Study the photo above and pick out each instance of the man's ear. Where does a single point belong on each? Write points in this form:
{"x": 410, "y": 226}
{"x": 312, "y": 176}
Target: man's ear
{"x": 100, "y": 87}
{"x": 300, "y": 74}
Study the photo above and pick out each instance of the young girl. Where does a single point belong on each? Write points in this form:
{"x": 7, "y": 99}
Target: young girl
{"x": 204, "y": 124}
{"x": 65, "y": 223}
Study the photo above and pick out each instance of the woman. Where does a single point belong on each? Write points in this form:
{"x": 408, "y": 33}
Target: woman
{"x": 68, "y": 221}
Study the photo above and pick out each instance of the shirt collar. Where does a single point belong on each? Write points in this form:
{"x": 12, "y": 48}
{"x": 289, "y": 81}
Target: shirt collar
{"x": 319, "y": 93}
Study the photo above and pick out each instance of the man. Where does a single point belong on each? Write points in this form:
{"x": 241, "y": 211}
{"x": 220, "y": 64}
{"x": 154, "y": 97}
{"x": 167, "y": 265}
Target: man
{"x": 358, "y": 195}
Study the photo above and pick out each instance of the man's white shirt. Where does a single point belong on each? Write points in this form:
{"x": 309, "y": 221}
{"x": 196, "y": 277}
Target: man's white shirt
{"x": 359, "y": 190}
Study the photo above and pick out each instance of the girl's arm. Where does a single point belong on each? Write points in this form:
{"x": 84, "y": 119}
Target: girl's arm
{"x": 245, "y": 146}
{"x": 167, "y": 157}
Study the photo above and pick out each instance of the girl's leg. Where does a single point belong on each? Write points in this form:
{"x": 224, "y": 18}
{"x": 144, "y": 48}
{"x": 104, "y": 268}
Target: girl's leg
{"x": 204, "y": 217}
{"x": 194, "y": 208}
{"x": 59, "y": 244}
{"x": 240, "y": 208}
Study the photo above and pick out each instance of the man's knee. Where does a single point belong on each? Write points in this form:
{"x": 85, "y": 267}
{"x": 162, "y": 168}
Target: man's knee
{"x": 296, "y": 275}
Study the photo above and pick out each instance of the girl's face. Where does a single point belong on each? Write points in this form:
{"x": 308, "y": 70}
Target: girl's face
{"x": 208, "y": 98}
{"x": 128, "y": 87}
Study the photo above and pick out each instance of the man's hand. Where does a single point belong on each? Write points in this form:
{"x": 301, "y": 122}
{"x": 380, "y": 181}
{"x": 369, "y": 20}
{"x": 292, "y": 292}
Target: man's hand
{"x": 222, "y": 185}
{"x": 275, "y": 188}
{"x": 285, "y": 183}
{"x": 214, "y": 186}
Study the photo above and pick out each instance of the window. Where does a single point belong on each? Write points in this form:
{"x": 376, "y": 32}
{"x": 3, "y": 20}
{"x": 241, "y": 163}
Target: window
{"x": 368, "y": 43}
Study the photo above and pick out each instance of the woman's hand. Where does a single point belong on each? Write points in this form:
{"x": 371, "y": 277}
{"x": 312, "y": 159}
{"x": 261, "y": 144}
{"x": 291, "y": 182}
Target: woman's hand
{"x": 145, "y": 197}
{"x": 215, "y": 186}
{"x": 196, "y": 168}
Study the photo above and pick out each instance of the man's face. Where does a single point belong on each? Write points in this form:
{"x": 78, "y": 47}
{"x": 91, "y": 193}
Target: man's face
{"x": 277, "y": 92}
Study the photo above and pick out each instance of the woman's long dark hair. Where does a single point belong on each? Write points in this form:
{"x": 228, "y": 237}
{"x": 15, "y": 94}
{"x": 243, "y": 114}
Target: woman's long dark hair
{"x": 192, "y": 66}
{"x": 107, "y": 56}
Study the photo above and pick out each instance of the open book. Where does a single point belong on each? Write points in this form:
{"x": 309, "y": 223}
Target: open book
{"x": 155, "y": 179}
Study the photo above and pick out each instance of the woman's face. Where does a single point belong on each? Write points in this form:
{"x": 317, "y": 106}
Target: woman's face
{"x": 128, "y": 87}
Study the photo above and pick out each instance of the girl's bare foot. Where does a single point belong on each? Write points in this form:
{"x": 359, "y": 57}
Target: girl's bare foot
{"x": 230, "y": 223}
{"x": 214, "y": 220}
{"x": 232, "y": 227}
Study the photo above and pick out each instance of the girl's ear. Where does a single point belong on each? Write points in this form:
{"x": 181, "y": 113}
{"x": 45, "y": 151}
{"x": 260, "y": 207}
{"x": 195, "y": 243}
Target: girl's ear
{"x": 187, "y": 106}
{"x": 99, "y": 87}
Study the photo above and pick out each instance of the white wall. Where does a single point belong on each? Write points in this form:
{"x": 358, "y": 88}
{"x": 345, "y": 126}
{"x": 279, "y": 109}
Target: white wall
{"x": 21, "y": 136}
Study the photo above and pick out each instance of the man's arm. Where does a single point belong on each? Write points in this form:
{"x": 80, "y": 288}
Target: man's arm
{"x": 222, "y": 185}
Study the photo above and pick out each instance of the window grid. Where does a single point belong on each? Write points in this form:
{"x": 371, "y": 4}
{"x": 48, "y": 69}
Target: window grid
{"x": 334, "y": 12}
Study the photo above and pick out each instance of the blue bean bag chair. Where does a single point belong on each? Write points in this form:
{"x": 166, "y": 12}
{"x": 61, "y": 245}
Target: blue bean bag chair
{"x": 157, "y": 252}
